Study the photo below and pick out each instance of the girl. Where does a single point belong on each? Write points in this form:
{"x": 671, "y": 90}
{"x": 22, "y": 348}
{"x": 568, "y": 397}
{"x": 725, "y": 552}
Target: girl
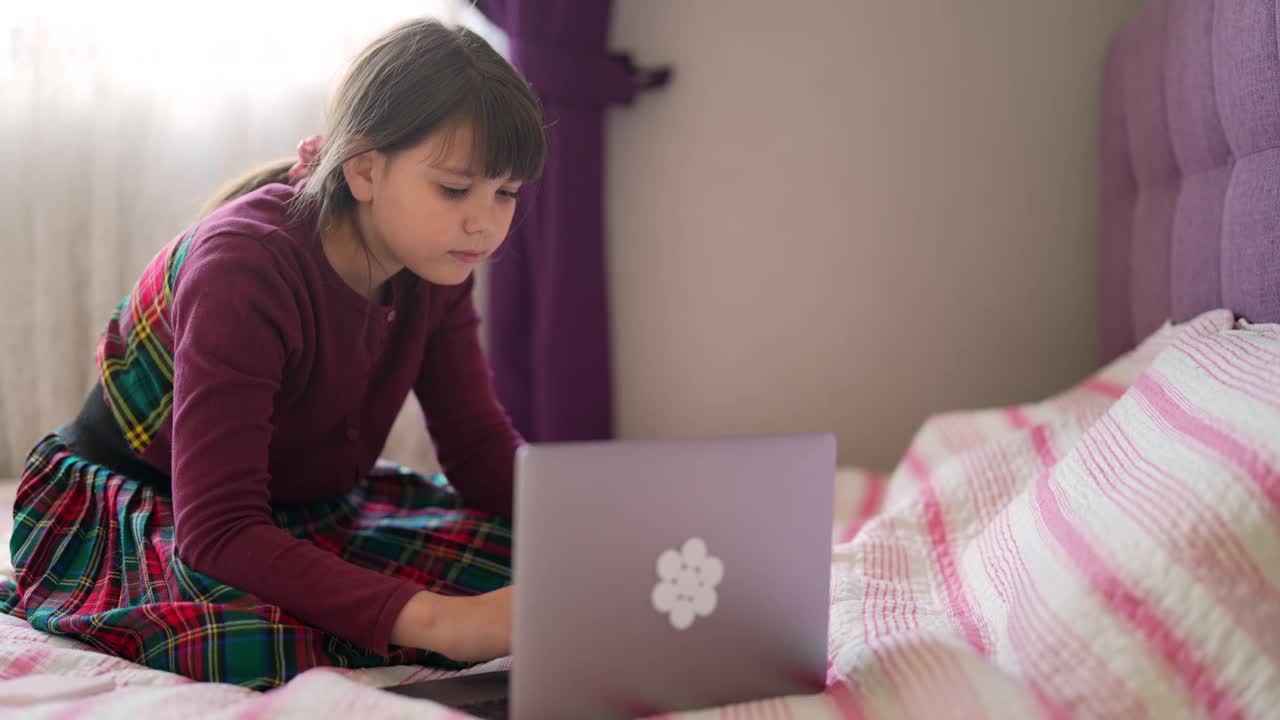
{"x": 217, "y": 509}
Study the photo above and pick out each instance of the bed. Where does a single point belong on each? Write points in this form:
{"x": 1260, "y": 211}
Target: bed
{"x": 1111, "y": 551}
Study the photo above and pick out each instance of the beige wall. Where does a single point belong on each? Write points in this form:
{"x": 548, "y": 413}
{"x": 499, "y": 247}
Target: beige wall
{"x": 847, "y": 215}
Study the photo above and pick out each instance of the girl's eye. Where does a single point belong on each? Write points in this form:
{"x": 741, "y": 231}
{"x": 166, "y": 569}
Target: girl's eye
{"x": 453, "y": 192}
{"x": 513, "y": 194}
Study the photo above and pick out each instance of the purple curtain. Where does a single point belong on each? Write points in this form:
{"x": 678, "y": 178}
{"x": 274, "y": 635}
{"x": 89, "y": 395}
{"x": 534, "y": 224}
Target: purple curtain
{"x": 548, "y": 315}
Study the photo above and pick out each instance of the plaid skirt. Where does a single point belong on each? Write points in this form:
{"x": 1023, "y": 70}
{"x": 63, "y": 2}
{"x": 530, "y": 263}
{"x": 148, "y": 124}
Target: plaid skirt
{"x": 94, "y": 560}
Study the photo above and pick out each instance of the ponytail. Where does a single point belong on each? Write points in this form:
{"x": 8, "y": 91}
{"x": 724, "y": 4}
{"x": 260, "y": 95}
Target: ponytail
{"x": 276, "y": 171}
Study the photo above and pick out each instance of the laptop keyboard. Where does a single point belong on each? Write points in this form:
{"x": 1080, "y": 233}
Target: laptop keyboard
{"x": 495, "y": 709}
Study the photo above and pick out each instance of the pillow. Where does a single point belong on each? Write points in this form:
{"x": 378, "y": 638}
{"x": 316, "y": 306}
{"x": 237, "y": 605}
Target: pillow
{"x": 1113, "y": 551}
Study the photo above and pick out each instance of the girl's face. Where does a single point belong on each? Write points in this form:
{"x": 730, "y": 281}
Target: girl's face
{"x": 429, "y": 209}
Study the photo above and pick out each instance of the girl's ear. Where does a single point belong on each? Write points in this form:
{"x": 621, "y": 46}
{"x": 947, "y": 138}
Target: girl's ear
{"x": 359, "y": 172}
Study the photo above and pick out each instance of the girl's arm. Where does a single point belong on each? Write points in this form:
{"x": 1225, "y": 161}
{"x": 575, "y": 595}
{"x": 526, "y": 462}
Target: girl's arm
{"x": 234, "y": 320}
{"x": 473, "y": 436}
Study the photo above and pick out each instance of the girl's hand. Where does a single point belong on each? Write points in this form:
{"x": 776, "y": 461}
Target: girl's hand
{"x": 473, "y": 629}
{"x": 466, "y": 629}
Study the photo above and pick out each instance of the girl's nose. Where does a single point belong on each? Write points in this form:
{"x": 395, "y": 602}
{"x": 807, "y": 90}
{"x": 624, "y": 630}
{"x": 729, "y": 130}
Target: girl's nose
{"x": 476, "y": 223}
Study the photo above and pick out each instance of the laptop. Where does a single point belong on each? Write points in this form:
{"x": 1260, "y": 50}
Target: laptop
{"x": 660, "y": 576}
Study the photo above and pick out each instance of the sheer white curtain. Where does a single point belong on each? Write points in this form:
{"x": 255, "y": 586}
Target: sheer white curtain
{"x": 117, "y": 121}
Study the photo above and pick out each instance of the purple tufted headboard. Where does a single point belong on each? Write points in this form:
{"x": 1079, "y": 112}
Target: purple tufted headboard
{"x": 1190, "y": 167}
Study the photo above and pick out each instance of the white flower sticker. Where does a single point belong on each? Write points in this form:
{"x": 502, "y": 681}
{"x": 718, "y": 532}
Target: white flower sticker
{"x": 687, "y": 581}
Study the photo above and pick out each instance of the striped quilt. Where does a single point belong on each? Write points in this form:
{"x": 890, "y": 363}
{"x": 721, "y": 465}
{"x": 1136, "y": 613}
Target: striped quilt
{"x": 1113, "y": 551}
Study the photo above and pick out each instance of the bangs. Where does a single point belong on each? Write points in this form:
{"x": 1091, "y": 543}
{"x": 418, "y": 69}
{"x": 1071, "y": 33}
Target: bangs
{"x": 507, "y": 138}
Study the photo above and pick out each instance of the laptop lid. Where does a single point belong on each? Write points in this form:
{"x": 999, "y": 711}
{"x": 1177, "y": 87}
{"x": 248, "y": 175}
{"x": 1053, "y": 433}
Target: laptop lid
{"x": 669, "y": 575}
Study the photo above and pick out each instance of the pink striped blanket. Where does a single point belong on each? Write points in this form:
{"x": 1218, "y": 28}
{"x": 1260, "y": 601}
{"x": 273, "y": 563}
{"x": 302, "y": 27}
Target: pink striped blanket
{"x": 1113, "y": 551}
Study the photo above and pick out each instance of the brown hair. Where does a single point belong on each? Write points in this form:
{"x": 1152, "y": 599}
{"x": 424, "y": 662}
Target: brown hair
{"x": 418, "y": 77}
